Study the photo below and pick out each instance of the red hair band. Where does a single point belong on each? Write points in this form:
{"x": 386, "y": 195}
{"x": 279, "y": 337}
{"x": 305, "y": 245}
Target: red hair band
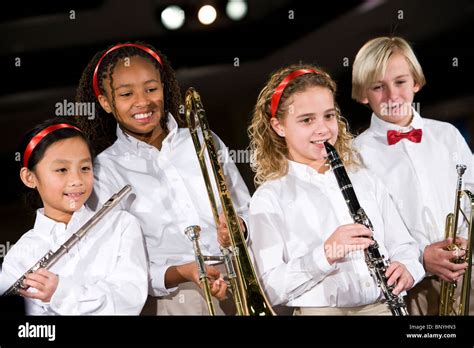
{"x": 38, "y": 137}
{"x": 281, "y": 87}
{"x": 95, "y": 82}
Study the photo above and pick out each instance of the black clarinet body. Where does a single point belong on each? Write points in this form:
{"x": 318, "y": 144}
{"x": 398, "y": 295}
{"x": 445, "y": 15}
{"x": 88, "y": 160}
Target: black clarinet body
{"x": 376, "y": 262}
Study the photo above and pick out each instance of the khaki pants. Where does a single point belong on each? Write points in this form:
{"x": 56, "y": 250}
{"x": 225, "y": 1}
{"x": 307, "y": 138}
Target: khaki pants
{"x": 424, "y": 298}
{"x": 371, "y": 309}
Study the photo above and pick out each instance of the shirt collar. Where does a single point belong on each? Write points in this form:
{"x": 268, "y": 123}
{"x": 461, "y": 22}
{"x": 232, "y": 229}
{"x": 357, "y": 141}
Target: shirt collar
{"x": 46, "y": 225}
{"x": 381, "y": 127}
{"x": 135, "y": 145}
{"x": 305, "y": 172}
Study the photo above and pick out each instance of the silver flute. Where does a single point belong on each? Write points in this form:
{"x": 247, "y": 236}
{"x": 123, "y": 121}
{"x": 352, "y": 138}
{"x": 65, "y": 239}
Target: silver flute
{"x": 48, "y": 260}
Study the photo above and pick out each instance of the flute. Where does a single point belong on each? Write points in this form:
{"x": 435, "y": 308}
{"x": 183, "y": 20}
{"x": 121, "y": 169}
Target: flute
{"x": 51, "y": 257}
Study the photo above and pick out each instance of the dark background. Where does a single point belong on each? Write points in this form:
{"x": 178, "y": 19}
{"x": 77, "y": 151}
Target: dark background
{"x": 54, "y": 50}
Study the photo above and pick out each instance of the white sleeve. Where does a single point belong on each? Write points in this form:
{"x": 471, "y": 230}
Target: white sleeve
{"x": 400, "y": 245}
{"x": 123, "y": 291}
{"x": 463, "y": 154}
{"x": 282, "y": 279}
{"x": 11, "y": 270}
{"x": 105, "y": 185}
{"x": 157, "y": 280}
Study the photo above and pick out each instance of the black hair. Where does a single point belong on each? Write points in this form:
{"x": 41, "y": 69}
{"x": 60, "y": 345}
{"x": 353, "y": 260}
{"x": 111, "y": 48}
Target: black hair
{"x": 101, "y": 129}
{"x": 31, "y": 196}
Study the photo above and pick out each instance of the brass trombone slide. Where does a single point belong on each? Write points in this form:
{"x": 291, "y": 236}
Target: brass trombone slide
{"x": 247, "y": 293}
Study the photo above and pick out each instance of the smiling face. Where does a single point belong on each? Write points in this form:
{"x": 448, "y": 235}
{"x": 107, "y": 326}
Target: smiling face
{"x": 136, "y": 98}
{"x": 391, "y": 96}
{"x": 63, "y": 178}
{"x": 310, "y": 119}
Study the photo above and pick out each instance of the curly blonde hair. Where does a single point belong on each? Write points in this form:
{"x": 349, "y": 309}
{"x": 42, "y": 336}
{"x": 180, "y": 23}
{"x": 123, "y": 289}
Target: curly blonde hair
{"x": 269, "y": 152}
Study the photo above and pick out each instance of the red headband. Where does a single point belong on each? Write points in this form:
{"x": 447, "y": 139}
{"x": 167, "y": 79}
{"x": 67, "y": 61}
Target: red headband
{"x": 281, "y": 87}
{"x": 95, "y": 82}
{"x": 38, "y": 137}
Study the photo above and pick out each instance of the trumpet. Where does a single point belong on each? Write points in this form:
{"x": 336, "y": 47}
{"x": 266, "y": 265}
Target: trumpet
{"x": 48, "y": 260}
{"x": 247, "y": 293}
{"x": 448, "y": 298}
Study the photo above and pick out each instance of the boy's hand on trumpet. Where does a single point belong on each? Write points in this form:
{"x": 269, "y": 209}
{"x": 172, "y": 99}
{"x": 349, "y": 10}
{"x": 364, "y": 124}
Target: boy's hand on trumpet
{"x": 439, "y": 261}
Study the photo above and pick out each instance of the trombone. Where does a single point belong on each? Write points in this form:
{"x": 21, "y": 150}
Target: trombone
{"x": 247, "y": 293}
{"x": 448, "y": 298}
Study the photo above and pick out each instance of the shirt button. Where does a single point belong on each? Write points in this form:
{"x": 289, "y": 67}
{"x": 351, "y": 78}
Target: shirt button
{"x": 367, "y": 285}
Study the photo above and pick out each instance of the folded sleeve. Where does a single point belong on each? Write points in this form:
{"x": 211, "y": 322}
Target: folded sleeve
{"x": 402, "y": 247}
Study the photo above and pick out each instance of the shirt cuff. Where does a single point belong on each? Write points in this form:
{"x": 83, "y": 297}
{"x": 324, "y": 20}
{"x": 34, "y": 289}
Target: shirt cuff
{"x": 157, "y": 282}
{"x": 317, "y": 262}
{"x": 422, "y": 253}
{"x": 65, "y": 286}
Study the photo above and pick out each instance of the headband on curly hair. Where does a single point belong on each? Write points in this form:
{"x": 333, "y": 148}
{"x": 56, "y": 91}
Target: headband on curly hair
{"x": 281, "y": 87}
{"x": 95, "y": 82}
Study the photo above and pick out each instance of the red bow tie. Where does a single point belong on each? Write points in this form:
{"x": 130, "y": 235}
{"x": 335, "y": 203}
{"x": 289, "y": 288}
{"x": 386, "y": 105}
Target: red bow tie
{"x": 394, "y": 137}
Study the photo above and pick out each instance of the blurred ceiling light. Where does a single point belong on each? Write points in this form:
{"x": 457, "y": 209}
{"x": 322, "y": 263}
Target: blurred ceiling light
{"x": 172, "y": 17}
{"x": 236, "y": 9}
{"x": 207, "y": 14}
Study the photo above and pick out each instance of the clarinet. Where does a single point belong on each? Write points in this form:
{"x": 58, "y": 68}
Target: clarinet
{"x": 375, "y": 261}
{"x": 48, "y": 260}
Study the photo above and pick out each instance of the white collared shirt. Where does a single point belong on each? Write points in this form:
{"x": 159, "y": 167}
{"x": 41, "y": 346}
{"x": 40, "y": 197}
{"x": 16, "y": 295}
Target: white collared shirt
{"x": 420, "y": 177}
{"x": 104, "y": 273}
{"x": 291, "y": 218}
{"x": 169, "y": 195}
